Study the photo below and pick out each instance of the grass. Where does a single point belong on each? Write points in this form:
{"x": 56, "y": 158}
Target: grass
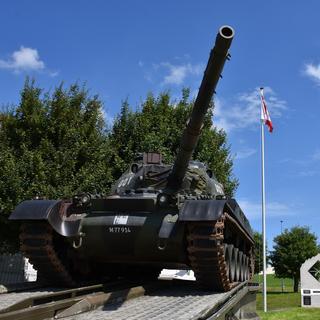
{"x": 276, "y": 299}
{"x": 283, "y": 305}
{"x": 275, "y": 284}
{"x": 292, "y": 314}
{"x": 279, "y": 300}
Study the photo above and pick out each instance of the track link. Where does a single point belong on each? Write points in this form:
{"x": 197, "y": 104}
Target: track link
{"x": 219, "y": 265}
{"x": 37, "y": 244}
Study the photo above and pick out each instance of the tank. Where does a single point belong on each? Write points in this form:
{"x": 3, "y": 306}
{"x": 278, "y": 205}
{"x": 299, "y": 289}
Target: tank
{"x": 157, "y": 216}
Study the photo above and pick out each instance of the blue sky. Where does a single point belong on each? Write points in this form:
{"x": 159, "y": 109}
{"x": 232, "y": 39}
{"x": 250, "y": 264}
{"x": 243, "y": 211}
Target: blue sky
{"x": 125, "y": 49}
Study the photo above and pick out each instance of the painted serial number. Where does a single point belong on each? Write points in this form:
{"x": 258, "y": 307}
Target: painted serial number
{"x": 119, "y": 229}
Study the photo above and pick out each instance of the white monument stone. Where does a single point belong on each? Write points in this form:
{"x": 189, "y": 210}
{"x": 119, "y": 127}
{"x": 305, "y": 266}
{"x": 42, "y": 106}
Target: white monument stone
{"x": 310, "y": 282}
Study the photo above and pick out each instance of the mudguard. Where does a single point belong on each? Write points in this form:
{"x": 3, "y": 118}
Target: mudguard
{"x": 209, "y": 210}
{"x": 46, "y": 210}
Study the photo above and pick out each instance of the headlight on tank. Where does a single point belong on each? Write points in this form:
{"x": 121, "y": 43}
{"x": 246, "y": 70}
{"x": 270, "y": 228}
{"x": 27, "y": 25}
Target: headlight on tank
{"x": 82, "y": 200}
{"x": 163, "y": 200}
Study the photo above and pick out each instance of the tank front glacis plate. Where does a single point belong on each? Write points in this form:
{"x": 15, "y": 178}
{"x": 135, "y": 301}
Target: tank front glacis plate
{"x": 131, "y": 236}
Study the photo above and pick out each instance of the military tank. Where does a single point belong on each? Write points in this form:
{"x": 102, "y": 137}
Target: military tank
{"x": 156, "y": 216}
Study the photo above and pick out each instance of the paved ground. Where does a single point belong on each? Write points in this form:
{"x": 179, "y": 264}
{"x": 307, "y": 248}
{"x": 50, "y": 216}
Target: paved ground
{"x": 180, "y": 303}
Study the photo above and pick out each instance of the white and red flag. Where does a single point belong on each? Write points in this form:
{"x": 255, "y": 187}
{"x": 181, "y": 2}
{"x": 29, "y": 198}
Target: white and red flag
{"x": 265, "y": 117}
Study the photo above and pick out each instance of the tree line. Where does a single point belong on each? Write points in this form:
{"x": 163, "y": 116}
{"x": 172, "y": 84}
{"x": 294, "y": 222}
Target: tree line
{"x": 55, "y": 144}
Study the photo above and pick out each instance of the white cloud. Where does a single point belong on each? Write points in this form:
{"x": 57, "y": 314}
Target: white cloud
{"x": 245, "y": 153}
{"x": 245, "y": 111}
{"x": 53, "y": 73}
{"x": 26, "y": 59}
{"x": 308, "y": 173}
{"x": 310, "y": 165}
{"x": 171, "y": 73}
{"x": 306, "y": 160}
{"x": 273, "y": 209}
{"x": 178, "y": 73}
{"x": 107, "y": 117}
{"x": 313, "y": 71}
{"x": 306, "y": 166}
{"x": 316, "y": 155}
{"x": 148, "y": 76}
{"x": 23, "y": 60}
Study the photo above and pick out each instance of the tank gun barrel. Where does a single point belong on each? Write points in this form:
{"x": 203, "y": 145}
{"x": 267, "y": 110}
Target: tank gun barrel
{"x": 190, "y": 137}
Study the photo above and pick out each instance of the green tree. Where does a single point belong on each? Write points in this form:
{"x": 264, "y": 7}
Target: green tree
{"x": 157, "y": 126}
{"x": 258, "y": 252}
{"x": 292, "y": 248}
{"x": 258, "y": 246}
{"x": 55, "y": 144}
{"x": 52, "y": 145}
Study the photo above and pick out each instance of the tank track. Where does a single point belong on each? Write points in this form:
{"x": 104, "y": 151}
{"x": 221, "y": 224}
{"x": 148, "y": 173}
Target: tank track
{"x": 37, "y": 244}
{"x": 219, "y": 263}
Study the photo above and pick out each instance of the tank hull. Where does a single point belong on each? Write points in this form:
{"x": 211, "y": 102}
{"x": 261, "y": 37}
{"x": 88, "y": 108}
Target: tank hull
{"x": 211, "y": 237}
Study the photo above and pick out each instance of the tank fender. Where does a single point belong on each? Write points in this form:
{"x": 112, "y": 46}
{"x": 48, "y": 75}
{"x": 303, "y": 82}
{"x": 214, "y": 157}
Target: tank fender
{"x": 208, "y": 210}
{"x": 202, "y": 210}
{"x": 46, "y": 210}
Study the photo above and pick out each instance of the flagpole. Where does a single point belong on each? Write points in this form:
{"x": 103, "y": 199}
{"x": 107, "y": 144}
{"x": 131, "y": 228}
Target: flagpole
{"x": 263, "y": 221}
{"x": 265, "y": 119}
